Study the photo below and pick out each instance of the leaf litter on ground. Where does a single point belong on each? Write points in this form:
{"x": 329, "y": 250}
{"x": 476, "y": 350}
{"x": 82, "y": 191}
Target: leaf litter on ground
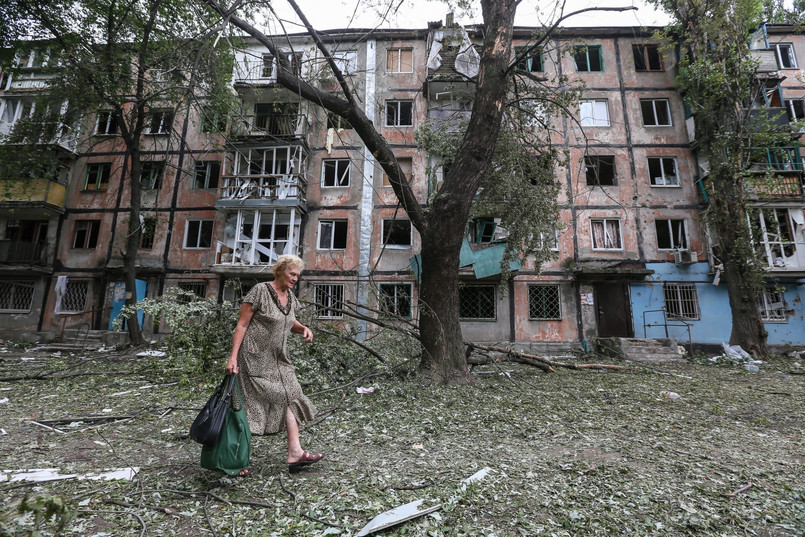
{"x": 573, "y": 453}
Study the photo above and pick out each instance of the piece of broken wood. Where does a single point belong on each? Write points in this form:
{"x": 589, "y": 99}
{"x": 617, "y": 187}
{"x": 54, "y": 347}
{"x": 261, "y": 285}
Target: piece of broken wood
{"x": 511, "y": 355}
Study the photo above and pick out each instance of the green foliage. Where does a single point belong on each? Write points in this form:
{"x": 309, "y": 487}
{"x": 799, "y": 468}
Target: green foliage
{"x": 42, "y": 508}
{"x": 200, "y": 329}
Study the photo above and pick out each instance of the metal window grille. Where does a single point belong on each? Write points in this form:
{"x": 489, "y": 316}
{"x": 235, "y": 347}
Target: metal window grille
{"x": 395, "y": 298}
{"x": 543, "y": 302}
{"x": 681, "y": 301}
{"x": 197, "y": 288}
{"x": 329, "y": 299}
{"x": 772, "y": 305}
{"x": 17, "y": 297}
{"x": 75, "y": 297}
{"x": 476, "y": 302}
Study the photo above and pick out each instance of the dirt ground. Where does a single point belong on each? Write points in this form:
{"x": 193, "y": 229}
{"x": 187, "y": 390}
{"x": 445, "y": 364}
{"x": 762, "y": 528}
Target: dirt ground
{"x": 573, "y": 453}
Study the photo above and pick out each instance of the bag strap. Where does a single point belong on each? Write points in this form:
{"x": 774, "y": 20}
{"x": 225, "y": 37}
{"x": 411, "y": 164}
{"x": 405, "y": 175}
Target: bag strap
{"x": 240, "y": 395}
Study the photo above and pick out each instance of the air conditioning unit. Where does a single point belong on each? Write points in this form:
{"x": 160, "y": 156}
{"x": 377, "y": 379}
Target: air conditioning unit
{"x": 685, "y": 257}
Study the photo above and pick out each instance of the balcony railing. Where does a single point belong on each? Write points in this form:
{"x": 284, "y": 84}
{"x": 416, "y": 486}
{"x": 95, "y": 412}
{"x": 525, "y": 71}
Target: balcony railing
{"x": 23, "y": 253}
{"x": 276, "y": 125}
{"x": 781, "y": 159}
{"x": 32, "y": 191}
{"x": 263, "y": 187}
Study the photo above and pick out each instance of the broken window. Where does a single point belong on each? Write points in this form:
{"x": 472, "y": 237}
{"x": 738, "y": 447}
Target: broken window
{"x": 771, "y": 304}
{"x": 160, "y": 122}
{"x": 662, "y": 171}
{"x": 785, "y": 56}
{"x": 332, "y": 234}
{"x": 260, "y": 237}
{"x": 600, "y": 170}
{"x": 589, "y": 58}
{"x": 106, "y": 124}
{"x": 671, "y": 234}
{"x": 85, "y": 233}
{"x": 647, "y": 58}
{"x": 335, "y": 172}
{"x": 606, "y": 233}
{"x": 198, "y": 234}
{"x": 149, "y": 228}
{"x": 783, "y": 237}
{"x": 543, "y": 303}
{"x": 397, "y": 233}
{"x": 399, "y": 113}
{"x": 531, "y": 62}
{"x": 656, "y": 112}
{"x": 329, "y": 300}
{"x": 207, "y": 173}
{"x": 395, "y": 298}
{"x": 97, "y": 176}
{"x": 476, "y": 302}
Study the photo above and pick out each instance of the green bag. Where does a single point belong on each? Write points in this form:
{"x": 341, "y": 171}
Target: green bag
{"x": 233, "y": 449}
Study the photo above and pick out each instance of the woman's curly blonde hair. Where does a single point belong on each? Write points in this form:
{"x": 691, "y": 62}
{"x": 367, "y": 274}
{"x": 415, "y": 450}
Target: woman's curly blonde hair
{"x": 287, "y": 260}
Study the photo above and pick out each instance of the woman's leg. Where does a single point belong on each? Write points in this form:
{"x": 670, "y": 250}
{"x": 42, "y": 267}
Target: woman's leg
{"x": 295, "y": 450}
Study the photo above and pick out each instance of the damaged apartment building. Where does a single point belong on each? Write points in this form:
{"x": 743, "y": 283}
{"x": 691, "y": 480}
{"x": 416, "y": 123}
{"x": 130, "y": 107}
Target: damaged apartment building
{"x": 281, "y": 175}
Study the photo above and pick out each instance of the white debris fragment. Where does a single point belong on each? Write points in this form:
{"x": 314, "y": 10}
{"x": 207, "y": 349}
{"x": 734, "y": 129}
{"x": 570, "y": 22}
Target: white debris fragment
{"x": 52, "y": 474}
{"x": 673, "y": 396}
{"x": 362, "y": 390}
{"x": 151, "y": 353}
{"x": 396, "y": 516}
{"x": 479, "y": 475}
{"x": 4, "y": 400}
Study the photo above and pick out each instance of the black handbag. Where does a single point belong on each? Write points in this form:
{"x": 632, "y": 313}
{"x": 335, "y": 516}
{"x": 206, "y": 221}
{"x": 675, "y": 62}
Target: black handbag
{"x": 208, "y": 424}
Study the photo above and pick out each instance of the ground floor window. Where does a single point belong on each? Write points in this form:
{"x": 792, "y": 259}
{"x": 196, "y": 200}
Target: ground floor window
{"x": 476, "y": 302}
{"x": 771, "y": 305}
{"x": 74, "y": 299}
{"x": 329, "y": 301}
{"x": 395, "y": 298}
{"x": 681, "y": 301}
{"x": 543, "y": 303}
{"x": 17, "y": 297}
{"x": 198, "y": 289}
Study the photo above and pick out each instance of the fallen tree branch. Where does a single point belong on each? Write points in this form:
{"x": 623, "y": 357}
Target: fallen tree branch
{"x": 50, "y": 376}
{"x": 354, "y": 341}
{"x": 529, "y": 359}
{"x": 94, "y": 512}
{"x": 740, "y": 490}
{"x": 164, "y": 510}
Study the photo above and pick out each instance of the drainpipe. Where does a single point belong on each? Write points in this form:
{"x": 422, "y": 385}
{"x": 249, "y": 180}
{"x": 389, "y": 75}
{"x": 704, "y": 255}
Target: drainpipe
{"x": 367, "y": 193}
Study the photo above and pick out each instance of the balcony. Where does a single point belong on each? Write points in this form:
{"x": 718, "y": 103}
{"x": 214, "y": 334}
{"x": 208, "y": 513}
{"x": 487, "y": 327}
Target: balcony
{"x": 23, "y": 253}
{"x": 42, "y": 194}
{"x": 262, "y": 190}
{"x": 254, "y": 239}
{"x": 767, "y": 61}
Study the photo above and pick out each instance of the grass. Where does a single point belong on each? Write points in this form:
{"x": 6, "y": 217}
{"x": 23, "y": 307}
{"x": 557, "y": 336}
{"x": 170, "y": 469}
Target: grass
{"x": 575, "y": 453}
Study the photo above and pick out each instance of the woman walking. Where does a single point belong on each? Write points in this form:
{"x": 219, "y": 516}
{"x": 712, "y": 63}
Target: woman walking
{"x": 274, "y": 398}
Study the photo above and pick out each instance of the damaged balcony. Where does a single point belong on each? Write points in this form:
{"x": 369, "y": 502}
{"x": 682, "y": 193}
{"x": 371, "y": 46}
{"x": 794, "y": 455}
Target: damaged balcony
{"x": 785, "y": 181}
{"x": 254, "y": 239}
{"x": 783, "y": 238}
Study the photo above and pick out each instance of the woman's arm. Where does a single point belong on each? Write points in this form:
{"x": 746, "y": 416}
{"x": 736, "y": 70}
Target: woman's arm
{"x": 304, "y": 331}
{"x": 246, "y": 313}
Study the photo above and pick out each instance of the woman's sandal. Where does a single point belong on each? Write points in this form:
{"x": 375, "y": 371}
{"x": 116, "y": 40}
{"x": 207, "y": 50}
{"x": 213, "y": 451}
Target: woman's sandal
{"x": 305, "y": 460}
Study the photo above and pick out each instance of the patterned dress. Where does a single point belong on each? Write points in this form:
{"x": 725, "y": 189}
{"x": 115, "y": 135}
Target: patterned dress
{"x": 267, "y": 377}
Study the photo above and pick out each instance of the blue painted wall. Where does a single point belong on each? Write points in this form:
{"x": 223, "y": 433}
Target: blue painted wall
{"x": 715, "y": 324}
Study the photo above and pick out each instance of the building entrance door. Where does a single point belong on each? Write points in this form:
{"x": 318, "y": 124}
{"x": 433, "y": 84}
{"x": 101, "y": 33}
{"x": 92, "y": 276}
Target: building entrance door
{"x": 613, "y": 311}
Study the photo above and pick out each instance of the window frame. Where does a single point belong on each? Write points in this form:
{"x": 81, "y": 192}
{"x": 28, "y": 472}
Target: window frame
{"x": 110, "y": 123}
{"x": 165, "y": 122}
{"x": 385, "y": 236}
{"x": 395, "y": 105}
{"x": 197, "y": 287}
{"x": 578, "y": 50}
{"x": 200, "y": 233}
{"x": 768, "y": 300}
{"x": 665, "y": 178}
{"x": 490, "y": 291}
{"x": 654, "y": 102}
{"x": 85, "y": 232}
{"x": 13, "y": 289}
{"x": 155, "y": 170}
{"x": 641, "y": 50}
{"x": 75, "y": 287}
{"x": 407, "y": 165}
{"x": 206, "y": 166}
{"x": 337, "y": 227}
{"x": 398, "y": 68}
{"x": 672, "y": 226}
{"x": 681, "y": 295}
{"x": 330, "y": 292}
{"x": 102, "y": 172}
{"x": 338, "y": 179}
{"x": 532, "y": 290}
{"x": 778, "y": 47}
{"x": 595, "y": 162}
{"x": 346, "y": 61}
{"x": 148, "y": 232}
{"x": 396, "y": 296}
{"x": 592, "y": 120}
{"x": 795, "y": 108}
{"x": 527, "y": 62}
{"x": 604, "y": 221}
